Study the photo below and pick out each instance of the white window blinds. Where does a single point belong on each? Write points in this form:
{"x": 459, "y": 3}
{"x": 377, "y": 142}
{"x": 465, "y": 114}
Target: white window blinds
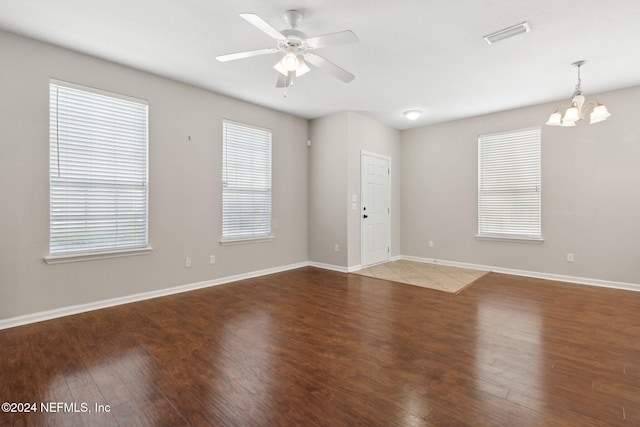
{"x": 246, "y": 182}
{"x": 509, "y": 185}
{"x": 98, "y": 171}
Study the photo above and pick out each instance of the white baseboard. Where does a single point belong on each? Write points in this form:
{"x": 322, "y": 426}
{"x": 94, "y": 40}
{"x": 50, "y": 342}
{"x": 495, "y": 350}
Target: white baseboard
{"x": 338, "y": 268}
{"x": 82, "y": 308}
{"x": 360, "y": 267}
{"x": 534, "y": 274}
{"x": 331, "y": 267}
{"x": 76, "y": 309}
{"x": 447, "y": 263}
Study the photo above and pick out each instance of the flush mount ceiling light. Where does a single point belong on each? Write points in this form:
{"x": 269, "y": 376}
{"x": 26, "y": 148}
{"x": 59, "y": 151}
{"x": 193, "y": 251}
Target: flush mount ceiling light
{"x": 578, "y": 108}
{"x": 412, "y": 114}
{"x": 506, "y": 33}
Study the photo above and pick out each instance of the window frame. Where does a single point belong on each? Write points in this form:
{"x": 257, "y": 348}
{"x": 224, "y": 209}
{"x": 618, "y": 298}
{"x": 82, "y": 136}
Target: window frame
{"x": 115, "y": 183}
{"x": 529, "y": 156}
{"x": 267, "y": 176}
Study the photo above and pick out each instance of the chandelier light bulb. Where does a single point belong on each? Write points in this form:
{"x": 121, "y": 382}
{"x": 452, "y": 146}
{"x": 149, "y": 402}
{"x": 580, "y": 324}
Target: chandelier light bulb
{"x": 572, "y": 115}
{"x": 555, "y": 119}
{"x": 599, "y": 114}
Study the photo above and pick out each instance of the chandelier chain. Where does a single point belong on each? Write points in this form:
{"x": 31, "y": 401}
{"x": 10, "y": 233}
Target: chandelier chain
{"x": 578, "y": 88}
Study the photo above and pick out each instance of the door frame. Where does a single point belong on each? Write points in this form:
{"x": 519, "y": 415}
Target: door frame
{"x": 362, "y": 191}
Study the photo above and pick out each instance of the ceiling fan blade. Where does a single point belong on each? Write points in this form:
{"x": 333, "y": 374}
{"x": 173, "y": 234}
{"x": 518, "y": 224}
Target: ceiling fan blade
{"x": 263, "y": 26}
{"x": 330, "y": 67}
{"x": 342, "y": 37}
{"x": 247, "y": 54}
{"x": 284, "y": 81}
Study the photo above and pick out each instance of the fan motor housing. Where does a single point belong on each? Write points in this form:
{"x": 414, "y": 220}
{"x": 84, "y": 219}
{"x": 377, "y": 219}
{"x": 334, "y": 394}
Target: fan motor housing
{"x": 294, "y": 37}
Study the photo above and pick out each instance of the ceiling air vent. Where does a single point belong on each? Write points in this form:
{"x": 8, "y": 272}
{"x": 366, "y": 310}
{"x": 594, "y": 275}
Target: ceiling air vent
{"x": 507, "y": 32}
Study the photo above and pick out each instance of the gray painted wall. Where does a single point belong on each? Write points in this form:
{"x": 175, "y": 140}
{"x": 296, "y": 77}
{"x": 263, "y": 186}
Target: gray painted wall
{"x": 328, "y": 189}
{"x": 591, "y": 196}
{"x": 336, "y": 144}
{"x": 590, "y": 193}
{"x": 184, "y": 184}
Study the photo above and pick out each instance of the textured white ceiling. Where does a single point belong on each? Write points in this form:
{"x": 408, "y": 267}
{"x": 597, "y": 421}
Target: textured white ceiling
{"x": 424, "y": 54}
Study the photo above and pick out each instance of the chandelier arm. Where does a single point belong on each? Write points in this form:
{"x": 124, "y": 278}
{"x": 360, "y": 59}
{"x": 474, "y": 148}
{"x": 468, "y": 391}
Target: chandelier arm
{"x": 560, "y": 108}
{"x": 593, "y": 104}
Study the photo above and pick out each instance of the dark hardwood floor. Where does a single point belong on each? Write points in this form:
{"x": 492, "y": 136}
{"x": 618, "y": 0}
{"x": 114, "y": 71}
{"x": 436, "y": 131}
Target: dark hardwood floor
{"x": 313, "y": 347}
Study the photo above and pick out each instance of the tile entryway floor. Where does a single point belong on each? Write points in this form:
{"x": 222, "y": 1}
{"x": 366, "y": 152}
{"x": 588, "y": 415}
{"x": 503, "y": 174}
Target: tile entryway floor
{"x": 433, "y": 276}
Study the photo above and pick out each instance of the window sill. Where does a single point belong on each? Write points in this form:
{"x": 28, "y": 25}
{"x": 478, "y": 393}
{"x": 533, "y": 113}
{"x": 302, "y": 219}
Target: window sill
{"x": 61, "y": 259}
{"x": 226, "y": 242}
{"x": 530, "y": 240}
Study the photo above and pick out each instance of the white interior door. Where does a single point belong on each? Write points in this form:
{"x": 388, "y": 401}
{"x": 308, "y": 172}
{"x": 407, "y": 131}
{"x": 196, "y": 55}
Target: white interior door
{"x": 375, "y": 213}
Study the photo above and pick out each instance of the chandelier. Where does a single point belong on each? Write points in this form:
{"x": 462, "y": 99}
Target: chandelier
{"x": 578, "y": 108}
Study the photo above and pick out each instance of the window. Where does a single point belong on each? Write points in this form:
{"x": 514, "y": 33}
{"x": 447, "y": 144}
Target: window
{"x": 246, "y": 182}
{"x": 97, "y": 171}
{"x": 509, "y": 185}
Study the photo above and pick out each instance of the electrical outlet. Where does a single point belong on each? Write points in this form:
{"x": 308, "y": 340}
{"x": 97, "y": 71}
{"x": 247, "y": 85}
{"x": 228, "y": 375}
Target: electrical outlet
{"x": 430, "y": 243}
{"x": 337, "y": 248}
{"x": 570, "y": 258}
{"x": 187, "y": 262}
{"x": 212, "y": 259}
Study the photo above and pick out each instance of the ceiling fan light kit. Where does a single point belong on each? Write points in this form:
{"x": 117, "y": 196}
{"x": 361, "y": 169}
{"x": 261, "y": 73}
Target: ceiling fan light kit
{"x": 290, "y": 61}
{"x": 578, "y": 108}
{"x": 296, "y": 48}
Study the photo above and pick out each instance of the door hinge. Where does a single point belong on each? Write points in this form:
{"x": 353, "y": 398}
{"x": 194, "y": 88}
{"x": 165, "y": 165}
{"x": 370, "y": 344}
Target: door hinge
{"x": 388, "y": 249}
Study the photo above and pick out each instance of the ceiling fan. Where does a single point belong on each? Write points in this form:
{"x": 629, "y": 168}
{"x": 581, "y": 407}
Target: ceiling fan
{"x": 297, "y": 49}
